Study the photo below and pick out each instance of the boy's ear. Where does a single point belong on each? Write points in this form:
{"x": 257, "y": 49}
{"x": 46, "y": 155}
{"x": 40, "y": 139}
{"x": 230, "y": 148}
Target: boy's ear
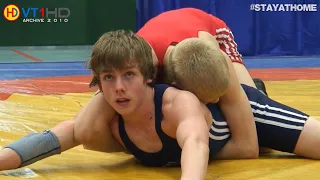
{"x": 175, "y": 84}
{"x": 149, "y": 81}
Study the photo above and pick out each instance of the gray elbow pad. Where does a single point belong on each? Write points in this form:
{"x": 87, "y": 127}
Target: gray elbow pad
{"x": 36, "y": 146}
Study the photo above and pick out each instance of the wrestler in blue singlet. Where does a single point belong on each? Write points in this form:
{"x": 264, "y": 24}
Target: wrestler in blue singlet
{"x": 278, "y": 127}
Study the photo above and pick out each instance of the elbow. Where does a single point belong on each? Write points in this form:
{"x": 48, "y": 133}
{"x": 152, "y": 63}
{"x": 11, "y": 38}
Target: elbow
{"x": 250, "y": 154}
{"x": 204, "y": 147}
{"x": 199, "y": 143}
{"x": 86, "y": 135}
{"x": 247, "y": 150}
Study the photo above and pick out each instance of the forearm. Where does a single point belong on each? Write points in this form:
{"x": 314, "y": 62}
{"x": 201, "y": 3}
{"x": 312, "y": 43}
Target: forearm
{"x": 37, "y": 146}
{"x": 9, "y": 159}
{"x": 194, "y": 160}
{"x": 242, "y": 126}
{"x": 238, "y": 114}
{"x": 244, "y": 141}
{"x": 234, "y": 150}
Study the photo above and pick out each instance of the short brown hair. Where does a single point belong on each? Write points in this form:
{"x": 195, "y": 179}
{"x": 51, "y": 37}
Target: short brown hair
{"x": 200, "y": 67}
{"x": 120, "y": 50}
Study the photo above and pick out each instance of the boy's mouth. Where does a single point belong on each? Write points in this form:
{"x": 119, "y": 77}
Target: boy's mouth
{"x": 122, "y": 101}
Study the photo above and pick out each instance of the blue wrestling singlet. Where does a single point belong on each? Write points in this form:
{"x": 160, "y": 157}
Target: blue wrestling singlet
{"x": 171, "y": 152}
{"x": 278, "y": 127}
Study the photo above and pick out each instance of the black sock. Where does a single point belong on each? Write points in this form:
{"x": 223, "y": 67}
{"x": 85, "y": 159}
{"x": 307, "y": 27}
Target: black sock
{"x": 260, "y": 85}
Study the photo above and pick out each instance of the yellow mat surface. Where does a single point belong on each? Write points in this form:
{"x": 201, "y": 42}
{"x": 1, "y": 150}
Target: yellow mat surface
{"x": 21, "y": 114}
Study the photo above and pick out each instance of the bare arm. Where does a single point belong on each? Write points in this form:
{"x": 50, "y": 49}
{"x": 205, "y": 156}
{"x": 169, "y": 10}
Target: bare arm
{"x": 89, "y": 127}
{"x": 237, "y": 111}
{"x": 192, "y": 135}
{"x": 9, "y": 159}
{"x": 235, "y": 105}
{"x": 92, "y": 126}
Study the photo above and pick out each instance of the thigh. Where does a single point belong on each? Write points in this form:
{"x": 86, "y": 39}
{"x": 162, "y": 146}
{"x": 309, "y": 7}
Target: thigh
{"x": 309, "y": 140}
{"x": 278, "y": 126}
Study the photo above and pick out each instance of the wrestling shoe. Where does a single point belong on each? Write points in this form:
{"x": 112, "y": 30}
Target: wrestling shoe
{"x": 260, "y": 85}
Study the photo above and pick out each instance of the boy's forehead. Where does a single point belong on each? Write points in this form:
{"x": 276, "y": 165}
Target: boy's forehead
{"x": 122, "y": 68}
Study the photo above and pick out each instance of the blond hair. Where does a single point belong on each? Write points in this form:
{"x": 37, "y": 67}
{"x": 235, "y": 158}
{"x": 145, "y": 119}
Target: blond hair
{"x": 200, "y": 67}
{"x": 120, "y": 50}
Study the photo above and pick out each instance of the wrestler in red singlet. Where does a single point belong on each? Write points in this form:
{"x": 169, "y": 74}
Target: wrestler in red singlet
{"x": 173, "y": 26}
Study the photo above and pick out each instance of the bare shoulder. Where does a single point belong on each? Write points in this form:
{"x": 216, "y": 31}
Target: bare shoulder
{"x": 180, "y": 106}
{"x": 177, "y": 103}
{"x": 177, "y": 96}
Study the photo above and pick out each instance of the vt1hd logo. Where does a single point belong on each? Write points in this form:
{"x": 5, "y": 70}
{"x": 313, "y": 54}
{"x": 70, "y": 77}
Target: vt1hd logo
{"x": 36, "y": 15}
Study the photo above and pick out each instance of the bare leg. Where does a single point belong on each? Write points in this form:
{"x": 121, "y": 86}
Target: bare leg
{"x": 309, "y": 141}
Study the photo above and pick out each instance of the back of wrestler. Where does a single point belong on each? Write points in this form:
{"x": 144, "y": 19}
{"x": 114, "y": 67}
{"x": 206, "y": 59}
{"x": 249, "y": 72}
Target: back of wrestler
{"x": 176, "y": 25}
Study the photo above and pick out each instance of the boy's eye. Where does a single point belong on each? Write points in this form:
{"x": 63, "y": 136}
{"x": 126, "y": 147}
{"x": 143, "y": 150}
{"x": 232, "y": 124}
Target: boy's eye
{"x": 107, "y": 77}
{"x": 129, "y": 74}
